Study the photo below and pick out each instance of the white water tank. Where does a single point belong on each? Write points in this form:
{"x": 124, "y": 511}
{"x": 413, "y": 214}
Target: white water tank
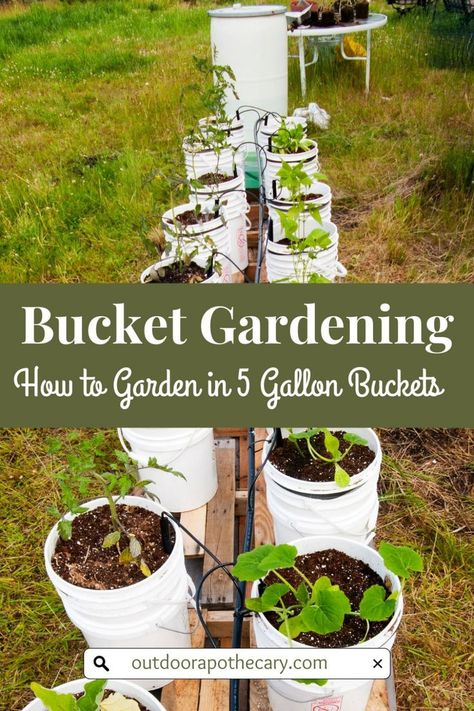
{"x": 252, "y": 39}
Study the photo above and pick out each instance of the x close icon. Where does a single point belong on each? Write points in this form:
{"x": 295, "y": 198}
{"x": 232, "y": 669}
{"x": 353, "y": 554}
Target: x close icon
{"x": 377, "y": 664}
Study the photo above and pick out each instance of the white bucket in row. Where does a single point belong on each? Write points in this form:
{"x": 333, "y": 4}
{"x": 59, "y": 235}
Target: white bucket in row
{"x": 308, "y": 160}
{"x": 232, "y": 198}
{"x": 235, "y": 132}
{"x": 187, "y": 450}
{"x": 127, "y": 688}
{"x": 306, "y": 221}
{"x": 270, "y": 124}
{"x": 352, "y": 514}
{"x": 328, "y": 488}
{"x": 155, "y": 608}
{"x": 336, "y": 695}
{"x": 200, "y": 161}
{"x": 285, "y": 265}
{"x": 196, "y": 235}
{"x": 200, "y": 259}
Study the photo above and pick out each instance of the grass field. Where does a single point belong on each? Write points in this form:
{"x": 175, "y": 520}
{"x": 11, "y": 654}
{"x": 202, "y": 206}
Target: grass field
{"x": 426, "y": 485}
{"x": 93, "y": 100}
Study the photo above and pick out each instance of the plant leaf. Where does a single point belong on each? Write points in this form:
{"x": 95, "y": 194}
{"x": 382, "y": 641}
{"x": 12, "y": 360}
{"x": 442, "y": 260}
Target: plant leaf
{"x": 255, "y": 564}
{"x": 341, "y": 477}
{"x": 145, "y": 569}
{"x": 135, "y": 547}
{"x": 125, "y": 556}
{"x": 273, "y": 593}
{"x": 52, "y": 700}
{"x": 354, "y": 439}
{"x": 319, "y": 682}
{"x": 282, "y": 556}
{"x": 302, "y": 594}
{"x": 93, "y": 694}
{"x": 375, "y": 606}
{"x": 293, "y": 626}
{"x": 328, "y": 607}
{"x": 111, "y": 539}
{"x": 65, "y": 529}
{"x": 331, "y": 443}
{"x": 401, "y": 560}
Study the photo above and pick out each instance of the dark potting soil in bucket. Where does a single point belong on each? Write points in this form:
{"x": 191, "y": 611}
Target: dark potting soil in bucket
{"x": 214, "y": 178}
{"x": 300, "y": 465}
{"x": 176, "y": 274}
{"x": 353, "y": 577}
{"x": 84, "y": 562}
{"x": 191, "y": 217}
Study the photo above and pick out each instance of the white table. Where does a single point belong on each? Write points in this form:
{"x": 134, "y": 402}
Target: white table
{"x": 321, "y": 35}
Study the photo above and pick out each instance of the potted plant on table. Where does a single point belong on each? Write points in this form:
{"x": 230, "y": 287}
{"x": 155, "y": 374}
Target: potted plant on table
{"x": 362, "y": 9}
{"x": 325, "y": 592}
{"x": 346, "y": 11}
{"x": 323, "y": 481}
{"x": 328, "y": 16}
{"x": 99, "y": 695}
{"x": 114, "y": 561}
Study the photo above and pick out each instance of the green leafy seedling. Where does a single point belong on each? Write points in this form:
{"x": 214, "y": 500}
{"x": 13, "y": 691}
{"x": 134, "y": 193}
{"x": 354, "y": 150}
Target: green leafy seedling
{"x": 55, "y": 701}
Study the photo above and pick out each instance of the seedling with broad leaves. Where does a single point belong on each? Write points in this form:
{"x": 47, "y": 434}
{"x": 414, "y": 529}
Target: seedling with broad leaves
{"x": 318, "y": 606}
{"x": 332, "y": 454}
{"x": 290, "y": 140}
{"x": 90, "y": 469}
{"x": 91, "y": 700}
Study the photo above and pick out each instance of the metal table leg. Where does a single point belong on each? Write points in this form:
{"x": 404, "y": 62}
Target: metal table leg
{"x": 302, "y": 65}
{"x": 367, "y": 64}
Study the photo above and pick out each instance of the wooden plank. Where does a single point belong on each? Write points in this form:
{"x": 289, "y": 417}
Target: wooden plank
{"x": 220, "y": 623}
{"x": 183, "y": 694}
{"x": 240, "y": 502}
{"x": 195, "y": 521}
{"x": 218, "y": 590}
{"x": 229, "y": 431}
{"x": 214, "y": 695}
{"x": 378, "y": 700}
{"x": 263, "y": 525}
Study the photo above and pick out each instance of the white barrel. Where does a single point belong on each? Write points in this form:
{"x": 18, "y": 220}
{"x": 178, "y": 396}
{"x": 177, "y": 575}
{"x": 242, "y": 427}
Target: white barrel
{"x": 329, "y": 488}
{"x": 200, "y": 260}
{"x": 187, "y": 450}
{"x": 352, "y": 514}
{"x": 150, "y": 613}
{"x": 309, "y": 160}
{"x": 195, "y": 236}
{"x": 127, "y": 688}
{"x": 340, "y": 694}
{"x": 198, "y": 161}
{"x": 283, "y": 264}
{"x": 232, "y": 200}
{"x": 307, "y": 223}
{"x": 252, "y": 40}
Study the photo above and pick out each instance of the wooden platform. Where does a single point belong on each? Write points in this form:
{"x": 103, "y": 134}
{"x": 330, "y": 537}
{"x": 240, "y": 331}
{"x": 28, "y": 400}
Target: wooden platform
{"x": 220, "y": 525}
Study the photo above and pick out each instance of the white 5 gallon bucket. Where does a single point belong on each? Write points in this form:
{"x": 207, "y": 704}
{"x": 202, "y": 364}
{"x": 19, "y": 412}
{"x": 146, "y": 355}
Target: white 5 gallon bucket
{"x": 272, "y": 122}
{"x": 199, "y": 161}
{"x": 236, "y": 137}
{"x": 195, "y": 236}
{"x": 200, "y": 260}
{"x": 232, "y": 200}
{"x": 308, "y": 160}
{"x": 336, "y": 695}
{"x": 285, "y": 265}
{"x": 187, "y": 450}
{"x": 306, "y": 221}
{"x": 127, "y": 688}
{"x": 352, "y": 514}
{"x": 329, "y": 487}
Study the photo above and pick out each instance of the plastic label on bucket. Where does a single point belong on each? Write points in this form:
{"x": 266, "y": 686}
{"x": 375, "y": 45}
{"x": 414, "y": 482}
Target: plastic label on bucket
{"x": 330, "y": 703}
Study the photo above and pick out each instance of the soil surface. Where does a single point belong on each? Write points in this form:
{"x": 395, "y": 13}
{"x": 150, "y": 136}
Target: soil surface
{"x": 108, "y": 693}
{"x": 174, "y": 274}
{"x": 353, "y": 577}
{"x": 191, "y": 217}
{"x": 83, "y": 561}
{"x": 288, "y": 460}
{"x": 214, "y": 178}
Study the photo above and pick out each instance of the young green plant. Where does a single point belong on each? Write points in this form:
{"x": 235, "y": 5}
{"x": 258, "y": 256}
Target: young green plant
{"x": 91, "y": 700}
{"x": 89, "y": 468}
{"x": 333, "y": 454}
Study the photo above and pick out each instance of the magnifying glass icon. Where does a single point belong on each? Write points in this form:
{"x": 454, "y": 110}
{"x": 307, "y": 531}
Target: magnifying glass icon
{"x": 99, "y": 662}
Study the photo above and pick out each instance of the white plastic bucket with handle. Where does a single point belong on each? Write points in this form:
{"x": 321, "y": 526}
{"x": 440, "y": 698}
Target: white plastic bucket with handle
{"x": 127, "y": 688}
{"x": 200, "y": 260}
{"x": 280, "y": 203}
{"x": 351, "y": 515}
{"x": 200, "y": 161}
{"x": 272, "y": 122}
{"x": 308, "y": 160}
{"x": 285, "y": 265}
{"x": 236, "y": 137}
{"x": 232, "y": 200}
{"x": 195, "y": 236}
{"x": 187, "y": 450}
{"x": 329, "y": 488}
{"x": 341, "y": 694}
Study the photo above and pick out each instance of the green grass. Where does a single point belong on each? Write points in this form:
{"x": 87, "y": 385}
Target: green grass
{"x": 426, "y": 501}
{"x": 83, "y": 80}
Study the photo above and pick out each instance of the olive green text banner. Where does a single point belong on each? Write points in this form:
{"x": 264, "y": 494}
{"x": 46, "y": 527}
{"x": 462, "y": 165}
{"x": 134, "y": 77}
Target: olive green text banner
{"x": 276, "y": 355}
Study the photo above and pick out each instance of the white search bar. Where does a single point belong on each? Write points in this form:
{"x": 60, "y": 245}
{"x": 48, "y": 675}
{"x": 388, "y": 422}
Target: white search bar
{"x": 311, "y": 663}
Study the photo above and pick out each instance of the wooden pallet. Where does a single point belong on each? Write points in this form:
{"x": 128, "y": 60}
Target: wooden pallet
{"x": 220, "y": 525}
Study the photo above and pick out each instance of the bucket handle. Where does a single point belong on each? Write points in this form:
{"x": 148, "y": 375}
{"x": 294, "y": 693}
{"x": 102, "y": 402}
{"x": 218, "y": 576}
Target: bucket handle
{"x": 190, "y": 602}
{"x": 130, "y": 453}
{"x": 341, "y": 271}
